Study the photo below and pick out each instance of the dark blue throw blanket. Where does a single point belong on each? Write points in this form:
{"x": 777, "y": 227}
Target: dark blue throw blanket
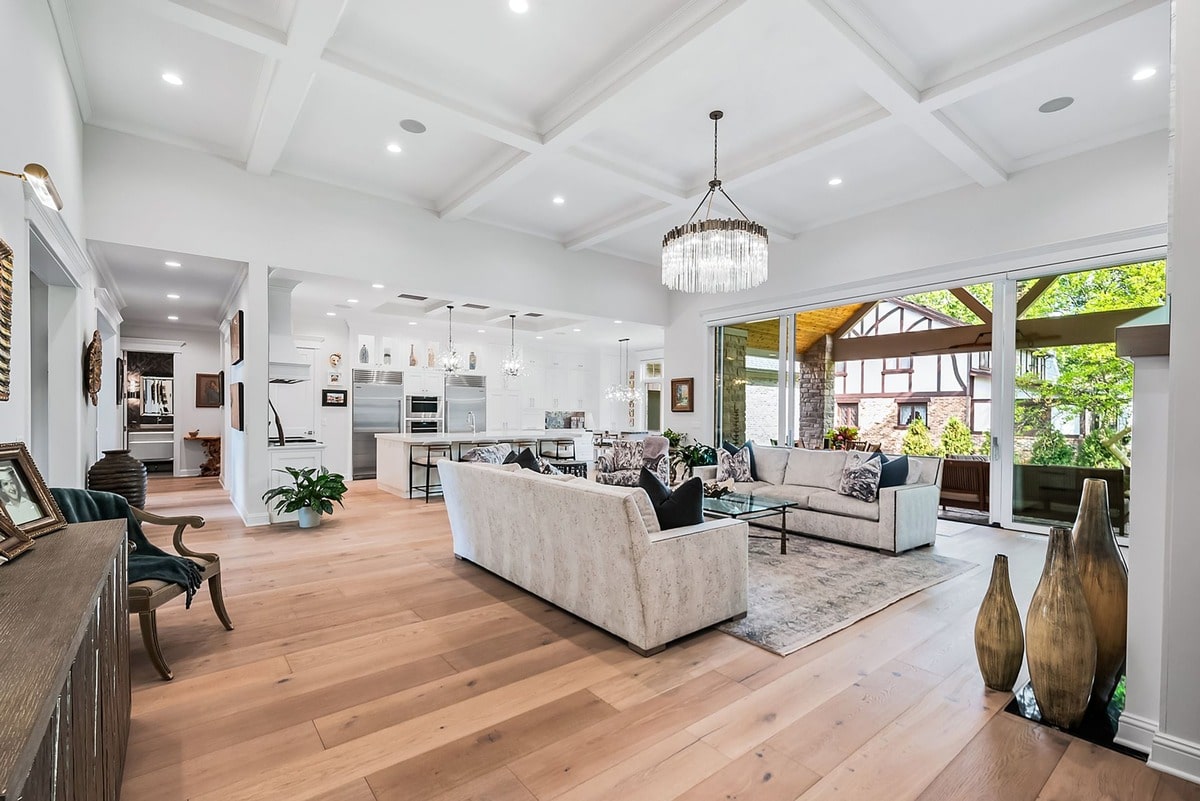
{"x": 148, "y": 561}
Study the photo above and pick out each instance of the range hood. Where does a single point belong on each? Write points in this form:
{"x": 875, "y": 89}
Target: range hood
{"x": 285, "y": 365}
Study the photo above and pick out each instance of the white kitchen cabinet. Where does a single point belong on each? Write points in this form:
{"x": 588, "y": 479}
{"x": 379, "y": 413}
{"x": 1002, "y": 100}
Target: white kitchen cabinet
{"x": 422, "y": 381}
{"x": 298, "y": 457}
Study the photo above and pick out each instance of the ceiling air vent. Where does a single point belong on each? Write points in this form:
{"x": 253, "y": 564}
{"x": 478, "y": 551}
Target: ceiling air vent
{"x": 534, "y": 314}
{"x": 475, "y": 306}
{"x": 412, "y": 297}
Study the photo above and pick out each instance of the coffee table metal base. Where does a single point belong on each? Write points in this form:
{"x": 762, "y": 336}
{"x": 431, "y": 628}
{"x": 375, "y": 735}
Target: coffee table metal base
{"x": 752, "y": 510}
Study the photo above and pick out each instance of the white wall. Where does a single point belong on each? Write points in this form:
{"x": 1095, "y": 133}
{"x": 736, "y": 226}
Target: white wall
{"x": 155, "y": 195}
{"x": 1083, "y": 200}
{"x": 43, "y": 126}
{"x": 200, "y": 354}
{"x": 245, "y": 461}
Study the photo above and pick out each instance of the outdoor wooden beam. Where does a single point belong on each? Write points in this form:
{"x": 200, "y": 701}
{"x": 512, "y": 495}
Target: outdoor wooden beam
{"x": 1034, "y": 292}
{"x": 973, "y": 303}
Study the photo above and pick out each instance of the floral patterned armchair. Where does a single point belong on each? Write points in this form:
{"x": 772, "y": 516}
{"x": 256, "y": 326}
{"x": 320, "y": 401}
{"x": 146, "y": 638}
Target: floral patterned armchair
{"x": 623, "y": 467}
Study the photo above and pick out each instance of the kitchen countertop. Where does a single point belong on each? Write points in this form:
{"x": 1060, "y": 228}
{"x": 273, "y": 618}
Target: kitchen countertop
{"x": 501, "y": 435}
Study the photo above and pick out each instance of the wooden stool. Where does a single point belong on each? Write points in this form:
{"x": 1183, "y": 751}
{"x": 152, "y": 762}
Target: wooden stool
{"x": 428, "y": 459}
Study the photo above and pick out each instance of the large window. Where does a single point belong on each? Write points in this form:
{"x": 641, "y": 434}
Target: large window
{"x": 747, "y": 381}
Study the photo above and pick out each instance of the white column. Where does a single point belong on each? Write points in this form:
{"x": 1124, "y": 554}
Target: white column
{"x": 1176, "y": 747}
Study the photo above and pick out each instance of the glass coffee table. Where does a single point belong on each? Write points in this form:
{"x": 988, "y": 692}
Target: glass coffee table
{"x": 745, "y": 507}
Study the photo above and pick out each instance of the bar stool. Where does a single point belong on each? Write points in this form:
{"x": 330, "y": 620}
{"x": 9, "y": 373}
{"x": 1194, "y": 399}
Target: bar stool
{"x": 519, "y": 445}
{"x": 564, "y": 448}
{"x": 427, "y": 459}
{"x": 479, "y": 443}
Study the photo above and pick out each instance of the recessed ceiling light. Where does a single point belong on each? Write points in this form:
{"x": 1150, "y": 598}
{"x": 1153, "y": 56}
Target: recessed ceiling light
{"x": 1057, "y": 104}
{"x": 412, "y": 322}
{"x": 835, "y": 181}
{"x": 618, "y": 322}
{"x": 1144, "y": 73}
{"x": 172, "y": 296}
{"x": 331, "y": 314}
{"x": 479, "y": 331}
{"x": 376, "y": 286}
{"x": 413, "y": 126}
{"x": 352, "y": 300}
{"x": 172, "y": 79}
{"x": 172, "y": 264}
{"x": 519, "y": 6}
{"x": 393, "y": 147}
{"x": 539, "y": 336}
{"x": 172, "y": 317}
{"x": 576, "y": 330}
{"x": 559, "y": 200}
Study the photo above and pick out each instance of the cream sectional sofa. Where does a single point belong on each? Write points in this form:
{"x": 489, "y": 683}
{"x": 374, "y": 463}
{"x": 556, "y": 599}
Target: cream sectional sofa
{"x": 597, "y": 551}
{"x": 901, "y": 518}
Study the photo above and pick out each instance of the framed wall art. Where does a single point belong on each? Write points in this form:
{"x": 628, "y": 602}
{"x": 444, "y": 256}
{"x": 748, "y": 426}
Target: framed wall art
{"x": 237, "y": 397}
{"x": 683, "y": 394}
{"x": 6, "y": 302}
{"x": 93, "y": 367}
{"x": 24, "y": 497}
{"x": 209, "y": 393}
{"x": 333, "y": 397}
{"x": 236, "y": 323}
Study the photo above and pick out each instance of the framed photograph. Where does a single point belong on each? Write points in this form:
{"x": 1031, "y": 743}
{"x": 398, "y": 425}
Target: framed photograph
{"x": 24, "y": 498}
{"x": 235, "y": 337}
{"x": 237, "y": 396}
{"x": 6, "y": 303}
{"x": 335, "y": 378}
{"x": 683, "y": 394}
{"x": 13, "y": 541}
{"x": 209, "y": 393}
{"x": 333, "y": 397}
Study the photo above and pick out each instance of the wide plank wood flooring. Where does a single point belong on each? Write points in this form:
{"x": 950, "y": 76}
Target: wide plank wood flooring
{"x": 369, "y": 665}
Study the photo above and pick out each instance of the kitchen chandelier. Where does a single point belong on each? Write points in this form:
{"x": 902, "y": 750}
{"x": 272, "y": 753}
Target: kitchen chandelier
{"x": 450, "y": 361}
{"x": 622, "y": 391}
{"x": 512, "y": 365}
{"x": 715, "y": 255}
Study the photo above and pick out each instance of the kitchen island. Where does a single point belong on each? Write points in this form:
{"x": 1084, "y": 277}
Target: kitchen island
{"x": 393, "y": 451}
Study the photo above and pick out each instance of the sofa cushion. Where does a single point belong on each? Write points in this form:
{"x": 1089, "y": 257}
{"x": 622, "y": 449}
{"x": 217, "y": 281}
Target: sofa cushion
{"x": 769, "y": 462}
{"x": 894, "y": 472}
{"x": 750, "y": 487}
{"x": 788, "y": 492}
{"x": 529, "y": 460}
{"x": 733, "y": 451}
{"x": 860, "y": 476}
{"x": 844, "y": 505}
{"x": 735, "y": 466}
{"x": 683, "y": 506}
{"x": 807, "y": 468}
{"x": 488, "y": 454}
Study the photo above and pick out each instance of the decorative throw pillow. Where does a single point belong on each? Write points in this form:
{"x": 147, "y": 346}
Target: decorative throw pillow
{"x": 733, "y": 449}
{"x": 489, "y": 454}
{"x": 734, "y": 466}
{"x": 531, "y": 461}
{"x": 683, "y": 506}
{"x": 894, "y": 472}
{"x": 860, "y": 476}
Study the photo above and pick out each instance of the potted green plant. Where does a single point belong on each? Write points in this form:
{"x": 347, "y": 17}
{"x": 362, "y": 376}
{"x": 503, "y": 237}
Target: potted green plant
{"x": 310, "y": 494}
{"x": 695, "y": 454}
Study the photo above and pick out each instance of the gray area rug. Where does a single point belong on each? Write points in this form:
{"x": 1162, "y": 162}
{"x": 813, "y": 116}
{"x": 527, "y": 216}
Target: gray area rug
{"x": 821, "y": 587}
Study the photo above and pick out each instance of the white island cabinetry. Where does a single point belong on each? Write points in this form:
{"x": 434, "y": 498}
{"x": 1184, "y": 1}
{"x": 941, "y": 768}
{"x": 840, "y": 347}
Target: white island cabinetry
{"x": 299, "y": 456}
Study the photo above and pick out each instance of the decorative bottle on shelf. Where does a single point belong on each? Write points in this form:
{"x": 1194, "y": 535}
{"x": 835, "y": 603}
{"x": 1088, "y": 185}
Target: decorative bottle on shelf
{"x": 364, "y": 356}
{"x": 429, "y": 357}
{"x": 471, "y": 361}
{"x": 387, "y": 357}
{"x": 412, "y": 355}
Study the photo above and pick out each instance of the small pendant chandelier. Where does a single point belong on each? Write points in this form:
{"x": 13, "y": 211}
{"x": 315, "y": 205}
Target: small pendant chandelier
{"x": 450, "y": 361}
{"x": 715, "y": 255}
{"x": 622, "y": 390}
{"x": 512, "y": 365}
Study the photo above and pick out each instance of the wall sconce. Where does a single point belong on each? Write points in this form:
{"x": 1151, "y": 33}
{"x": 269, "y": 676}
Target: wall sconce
{"x": 39, "y": 180}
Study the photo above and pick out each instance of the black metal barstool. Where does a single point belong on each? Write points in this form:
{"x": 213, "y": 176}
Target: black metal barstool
{"x": 463, "y": 447}
{"x": 425, "y": 455}
{"x": 563, "y": 448}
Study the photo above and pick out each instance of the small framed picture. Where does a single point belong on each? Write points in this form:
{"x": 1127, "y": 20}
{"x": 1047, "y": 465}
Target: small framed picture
{"x": 682, "y": 394}
{"x": 333, "y": 397}
{"x": 24, "y": 498}
{"x": 335, "y": 378}
{"x": 13, "y": 541}
{"x": 236, "y": 324}
{"x": 209, "y": 393}
{"x": 237, "y": 397}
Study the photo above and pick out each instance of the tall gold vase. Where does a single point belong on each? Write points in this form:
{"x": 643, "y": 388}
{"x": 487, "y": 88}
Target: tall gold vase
{"x": 1059, "y": 639}
{"x": 999, "y": 643}
{"x": 1105, "y": 580}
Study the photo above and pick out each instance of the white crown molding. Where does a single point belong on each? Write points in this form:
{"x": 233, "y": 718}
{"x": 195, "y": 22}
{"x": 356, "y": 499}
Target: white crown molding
{"x": 52, "y": 229}
{"x": 69, "y": 44}
{"x": 152, "y": 345}
{"x": 106, "y": 277}
{"x": 107, "y": 308}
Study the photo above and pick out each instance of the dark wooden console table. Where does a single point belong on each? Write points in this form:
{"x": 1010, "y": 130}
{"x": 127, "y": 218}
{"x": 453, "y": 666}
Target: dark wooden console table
{"x": 64, "y": 666}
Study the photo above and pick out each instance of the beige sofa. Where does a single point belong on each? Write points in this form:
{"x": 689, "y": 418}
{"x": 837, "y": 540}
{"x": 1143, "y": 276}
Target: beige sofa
{"x": 597, "y": 551}
{"x": 900, "y": 519}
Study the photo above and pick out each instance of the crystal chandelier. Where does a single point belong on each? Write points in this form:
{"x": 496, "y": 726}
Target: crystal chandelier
{"x": 512, "y": 365}
{"x": 450, "y": 361}
{"x": 622, "y": 390}
{"x": 715, "y": 255}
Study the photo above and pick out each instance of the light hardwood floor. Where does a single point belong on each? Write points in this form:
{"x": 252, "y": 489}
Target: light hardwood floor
{"x": 368, "y": 664}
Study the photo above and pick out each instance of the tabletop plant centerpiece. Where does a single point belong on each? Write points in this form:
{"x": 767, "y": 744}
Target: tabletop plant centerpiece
{"x": 842, "y": 438}
{"x": 310, "y": 494}
{"x": 690, "y": 455}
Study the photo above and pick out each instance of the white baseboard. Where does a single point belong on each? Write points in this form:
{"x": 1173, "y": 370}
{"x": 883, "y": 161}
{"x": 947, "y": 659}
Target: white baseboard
{"x": 1136, "y": 732}
{"x": 1176, "y": 756}
{"x": 190, "y": 473}
{"x": 256, "y": 519}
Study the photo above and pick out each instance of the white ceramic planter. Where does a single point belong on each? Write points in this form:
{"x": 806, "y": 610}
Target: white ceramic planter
{"x": 309, "y": 517}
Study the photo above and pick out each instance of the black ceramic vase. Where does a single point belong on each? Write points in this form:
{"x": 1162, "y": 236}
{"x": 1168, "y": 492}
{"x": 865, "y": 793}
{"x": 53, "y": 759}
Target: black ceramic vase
{"x": 122, "y": 474}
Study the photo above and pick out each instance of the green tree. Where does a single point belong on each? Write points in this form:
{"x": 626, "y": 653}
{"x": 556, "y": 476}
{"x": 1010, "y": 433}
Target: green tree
{"x": 1050, "y": 447}
{"x": 1093, "y": 452}
{"x": 985, "y": 443}
{"x": 917, "y": 441}
{"x": 956, "y": 439}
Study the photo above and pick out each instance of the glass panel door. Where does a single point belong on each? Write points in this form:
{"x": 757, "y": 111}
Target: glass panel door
{"x": 749, "y": 383}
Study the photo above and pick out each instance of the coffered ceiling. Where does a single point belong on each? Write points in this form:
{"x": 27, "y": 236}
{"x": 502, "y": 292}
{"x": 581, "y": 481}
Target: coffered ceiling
{"x": 605, "y": 104}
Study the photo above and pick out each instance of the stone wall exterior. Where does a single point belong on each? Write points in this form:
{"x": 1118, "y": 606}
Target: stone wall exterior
{"x": 733, "y": 385}
{"x": 877, "y": 419}
{"x": 814, "y": 393}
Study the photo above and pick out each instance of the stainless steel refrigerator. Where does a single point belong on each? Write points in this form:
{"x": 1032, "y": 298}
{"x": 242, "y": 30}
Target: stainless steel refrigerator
{"x": 378, "y": 408}
{"x": 466, "y": 398}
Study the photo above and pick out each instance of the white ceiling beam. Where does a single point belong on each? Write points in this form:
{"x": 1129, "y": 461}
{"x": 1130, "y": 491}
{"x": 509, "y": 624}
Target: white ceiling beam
{"x": 483, "y": 187}
{"x": 313, "y": 25}
{"x": 624, "y": 223}
{"x": 218, "y": 23}
{"x": 895, "y": 93}
{"x": 1031, "y": 57}
{"x": 632, "y": 176}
